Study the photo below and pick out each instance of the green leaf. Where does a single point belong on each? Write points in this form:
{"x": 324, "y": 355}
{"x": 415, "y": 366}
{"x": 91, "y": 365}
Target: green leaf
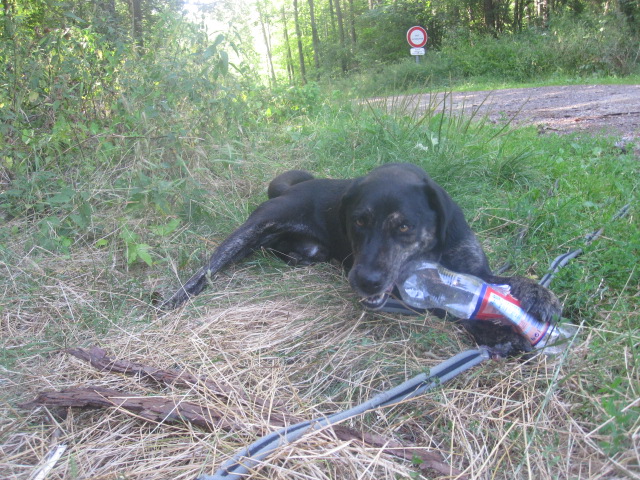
{"x": 128, "y": 236}
{"x": 65, "y": 196}
{"x": 219, "y": 39}
{"x": 142, "y": 250}
{"x": 223, "y": 64}
{"x": 209, "y": 52}
{"x": 164, "y": 230}
{"x": 74, "y": 17}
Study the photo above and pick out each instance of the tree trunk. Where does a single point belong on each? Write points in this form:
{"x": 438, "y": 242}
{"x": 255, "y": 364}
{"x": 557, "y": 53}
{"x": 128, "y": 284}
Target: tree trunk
{"x": 352, "y": 22}
{"x": 489, "y": 15}
{"x": 314, "y": 37}
{"x": 8, "y": 8}
{"x": 290, "y": 68}
{"x": 303, "y": 71}
{"x": 267, "y": 43}
{"x": 517, "y": 23}
{"x": 109, "y": 6}
{"x": 332, "y": 16}
{"x": 542, "y": 11}
{"x": 343, "y": 47}
{"x": 136, "y": 13}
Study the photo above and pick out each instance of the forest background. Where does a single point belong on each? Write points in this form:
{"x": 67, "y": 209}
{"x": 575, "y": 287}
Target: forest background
{"x": 135, "y": 135}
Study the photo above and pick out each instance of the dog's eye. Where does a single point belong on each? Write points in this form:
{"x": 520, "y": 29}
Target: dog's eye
{"x": 359, "y": 222}
{"x": 404, "y": 228}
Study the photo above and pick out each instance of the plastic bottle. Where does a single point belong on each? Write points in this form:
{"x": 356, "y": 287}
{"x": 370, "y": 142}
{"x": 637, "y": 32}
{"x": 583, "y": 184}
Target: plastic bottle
{"x": 429, "y": 285}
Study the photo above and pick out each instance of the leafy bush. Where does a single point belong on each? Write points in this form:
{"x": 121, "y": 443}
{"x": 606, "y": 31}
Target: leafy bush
{"x": 289, "y": 101}
{"x": 73, "y": 90}
{"x": 95, "y": 130}
{"x": 582, "y": 46}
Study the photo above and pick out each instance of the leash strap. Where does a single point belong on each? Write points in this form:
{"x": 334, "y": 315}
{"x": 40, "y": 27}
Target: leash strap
{"x": 238, "y": 466}
{"x": 561, "y": 260}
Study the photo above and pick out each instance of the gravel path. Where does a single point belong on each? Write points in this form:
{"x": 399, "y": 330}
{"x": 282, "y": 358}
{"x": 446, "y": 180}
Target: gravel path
{"x": 609, "y": 109}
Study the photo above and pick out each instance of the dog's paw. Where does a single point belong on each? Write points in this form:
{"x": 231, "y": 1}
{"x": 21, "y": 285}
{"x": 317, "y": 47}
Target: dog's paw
{"x": 501, "y": 339}
{"x": 536, "y": 299}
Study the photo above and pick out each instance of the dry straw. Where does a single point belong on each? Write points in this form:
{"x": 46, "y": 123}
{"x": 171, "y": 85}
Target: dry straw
{"x": 296, "y": 339}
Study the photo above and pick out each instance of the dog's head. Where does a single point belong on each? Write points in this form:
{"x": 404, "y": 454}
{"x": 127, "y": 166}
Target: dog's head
{"x": 392, "y": 215}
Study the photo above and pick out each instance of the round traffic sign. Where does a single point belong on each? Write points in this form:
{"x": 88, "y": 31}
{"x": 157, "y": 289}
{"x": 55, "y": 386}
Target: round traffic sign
{"x": 417, "y": 37}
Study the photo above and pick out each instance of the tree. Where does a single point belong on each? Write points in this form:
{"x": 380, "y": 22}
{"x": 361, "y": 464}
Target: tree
{"x": 343, "y": 46}
{"x": 267, "y": 40}
{"x": 352, "y": 22}
{"x": 314, "y": 36}
{"x": 289, "y": 61}
{"x": 332, "y": 17}
{"x": 136, "y": 15}
{"x": 303, "y": 71}
{"x": 7, "y": 9}
{"x": 489, "y": 11}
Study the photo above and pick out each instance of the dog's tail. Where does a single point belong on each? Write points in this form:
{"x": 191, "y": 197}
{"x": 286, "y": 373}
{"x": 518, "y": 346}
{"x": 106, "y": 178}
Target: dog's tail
{"x": 282, "y": 182}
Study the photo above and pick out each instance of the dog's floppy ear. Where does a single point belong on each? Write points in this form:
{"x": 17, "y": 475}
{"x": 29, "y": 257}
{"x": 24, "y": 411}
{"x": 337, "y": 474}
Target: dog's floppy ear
{"x": 345, "y": 201}
{"x": 443, "y": 205}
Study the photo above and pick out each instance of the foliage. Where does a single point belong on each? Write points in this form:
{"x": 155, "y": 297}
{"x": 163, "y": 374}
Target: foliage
{"x": 85, "y": 105}
{"x": 121, "y": 94}
{"x": 291, "y": 101}
{"x": 592, "y": 37}
{"x": 584, "y": 47}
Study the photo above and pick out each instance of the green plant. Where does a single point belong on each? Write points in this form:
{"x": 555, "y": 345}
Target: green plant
{"x": 135, "y": 249}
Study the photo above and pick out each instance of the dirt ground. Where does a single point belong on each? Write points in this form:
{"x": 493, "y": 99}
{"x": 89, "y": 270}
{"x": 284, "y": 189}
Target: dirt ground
{"x": 610, "y": 109}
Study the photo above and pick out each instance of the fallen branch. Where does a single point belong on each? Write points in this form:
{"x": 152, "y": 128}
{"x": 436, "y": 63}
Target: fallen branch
{"x": 98, "y": 358}
{"x": 155, "y": 409}
{"x": 162, "y": 409}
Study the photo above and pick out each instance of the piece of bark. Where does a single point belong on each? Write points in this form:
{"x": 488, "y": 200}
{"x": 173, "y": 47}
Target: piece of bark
{"x": 98, "y": 358}
{"x": 155, "y": 409}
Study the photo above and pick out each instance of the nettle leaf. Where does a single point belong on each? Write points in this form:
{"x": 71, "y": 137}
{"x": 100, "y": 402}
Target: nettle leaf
{"x": 128, "y": 237}
{"x": 209, "y": 52}
{"x": 142, "y": 251}
{"x": 166, "y": 229}
{"x": 65, "y": 196}
{"x": 224, "y": 62}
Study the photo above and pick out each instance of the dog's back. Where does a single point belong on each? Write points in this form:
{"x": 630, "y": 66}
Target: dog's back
{"x": 282, "y": 182}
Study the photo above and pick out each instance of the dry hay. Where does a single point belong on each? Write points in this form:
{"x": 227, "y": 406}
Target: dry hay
{"x": 296, "y": 339}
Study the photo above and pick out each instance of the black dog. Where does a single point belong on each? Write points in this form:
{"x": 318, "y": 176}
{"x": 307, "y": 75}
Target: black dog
{"x": 373, "y": 225}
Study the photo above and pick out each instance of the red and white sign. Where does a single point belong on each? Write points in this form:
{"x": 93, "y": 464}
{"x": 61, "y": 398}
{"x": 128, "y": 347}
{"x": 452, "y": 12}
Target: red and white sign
{"x": 417, "y": 37}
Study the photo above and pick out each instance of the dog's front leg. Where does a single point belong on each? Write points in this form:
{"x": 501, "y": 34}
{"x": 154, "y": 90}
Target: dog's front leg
{"x": 534, "y": 298}
{"x": 246, "y": 239}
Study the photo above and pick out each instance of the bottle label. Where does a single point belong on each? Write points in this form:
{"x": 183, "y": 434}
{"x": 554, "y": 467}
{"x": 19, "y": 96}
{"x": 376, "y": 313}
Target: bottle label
{"x": 496, "y": 305}
{"x": 484, "y": 309}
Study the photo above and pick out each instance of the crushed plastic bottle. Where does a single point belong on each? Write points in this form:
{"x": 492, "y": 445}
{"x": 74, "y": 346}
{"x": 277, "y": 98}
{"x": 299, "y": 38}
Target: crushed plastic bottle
{"x": 429, "y": 285}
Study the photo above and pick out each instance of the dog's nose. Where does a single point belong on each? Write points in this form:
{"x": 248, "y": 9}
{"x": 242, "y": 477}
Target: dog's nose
{"x": 370, "y": 282}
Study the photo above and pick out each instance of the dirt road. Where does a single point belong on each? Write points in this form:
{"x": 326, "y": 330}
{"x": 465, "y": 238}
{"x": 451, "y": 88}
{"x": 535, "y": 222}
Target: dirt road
{"x": 611, "y": 109}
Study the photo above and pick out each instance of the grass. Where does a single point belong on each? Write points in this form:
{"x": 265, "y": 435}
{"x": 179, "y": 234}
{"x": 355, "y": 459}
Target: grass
{"x": 389, "y": 82}
{"x": 297, "y": 337}
{"x": 555, "y": 80}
